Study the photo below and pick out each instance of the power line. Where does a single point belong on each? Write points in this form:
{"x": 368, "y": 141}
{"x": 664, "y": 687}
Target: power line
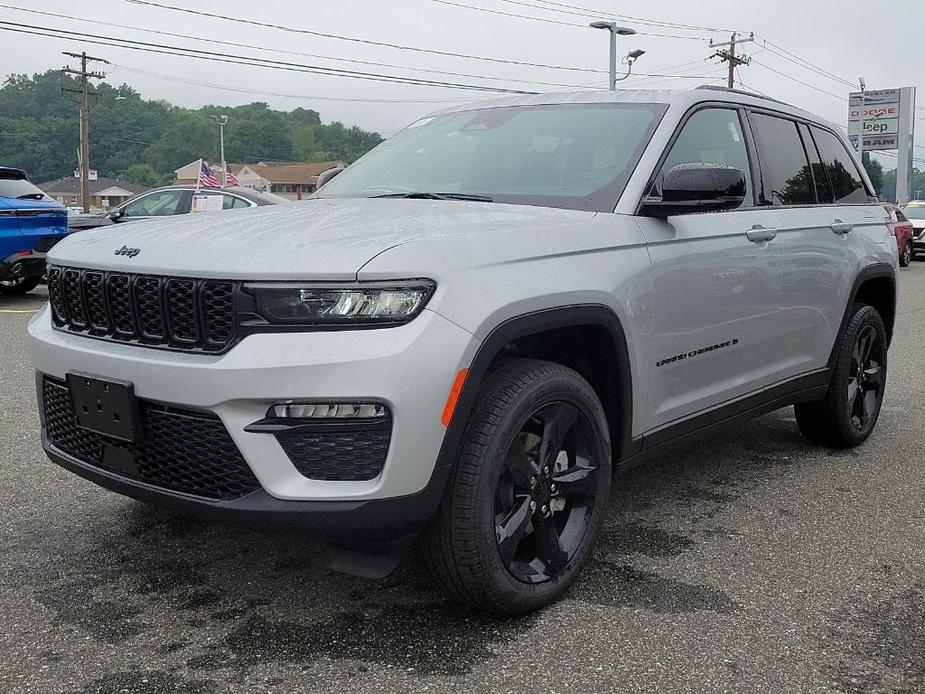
{"x": 277, "y": 50}
{"x": 548, "y": 21}
{"x": 369, "y": 42}
{"x": 302, "y": 97}
{"x": 588, "y": 12}
{"x": 794, "y": 58}
{"x": 242, "y": 60}
{"x": 794, "y": 79}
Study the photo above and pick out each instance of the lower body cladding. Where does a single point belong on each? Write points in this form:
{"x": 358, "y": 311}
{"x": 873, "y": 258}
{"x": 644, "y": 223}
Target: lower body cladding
{"x": 204, "y": 443}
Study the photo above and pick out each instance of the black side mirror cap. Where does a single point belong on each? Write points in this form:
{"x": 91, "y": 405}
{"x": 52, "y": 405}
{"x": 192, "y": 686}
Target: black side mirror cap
{"x": 697, "y": 187}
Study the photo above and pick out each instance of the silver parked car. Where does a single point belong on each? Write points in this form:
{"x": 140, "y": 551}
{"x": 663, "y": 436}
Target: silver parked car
{"x": 176, "y": 200}
{"x": 468, "y": 331}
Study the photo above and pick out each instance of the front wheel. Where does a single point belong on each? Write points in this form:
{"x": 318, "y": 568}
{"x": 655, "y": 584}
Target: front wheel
{"x": 528, "y": 493}
{"x": 846, "y": 416}
{"x": 21, "y": 285}
{"x": 907, "y": 254}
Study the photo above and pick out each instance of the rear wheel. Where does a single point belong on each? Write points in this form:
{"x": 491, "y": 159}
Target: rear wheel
{"x": 846, "y": 416}
{"x": 907, "y": 254}
{"x": 528, "y": 494}
{"x": 20, "y": 285}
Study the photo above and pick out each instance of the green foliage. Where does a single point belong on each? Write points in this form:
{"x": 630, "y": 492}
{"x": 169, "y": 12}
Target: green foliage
{"x": 143, "y": 174}
{"x": 916, "y": 185}
{"x": 132, "y": 136}
{"x": 874, "y": 171}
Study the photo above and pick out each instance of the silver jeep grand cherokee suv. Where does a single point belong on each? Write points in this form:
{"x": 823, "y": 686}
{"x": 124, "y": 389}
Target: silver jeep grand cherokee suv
{"x": 466, "y": 333}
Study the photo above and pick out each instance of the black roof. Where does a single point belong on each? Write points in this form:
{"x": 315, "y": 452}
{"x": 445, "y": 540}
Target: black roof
{"x": 71, "y": 185}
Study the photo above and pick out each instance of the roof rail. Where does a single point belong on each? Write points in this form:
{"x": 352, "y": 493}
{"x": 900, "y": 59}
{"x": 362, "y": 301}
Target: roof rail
{"x": 715, "y": 88}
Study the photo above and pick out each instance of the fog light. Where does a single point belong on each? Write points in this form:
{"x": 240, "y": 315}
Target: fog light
{"x": 328, "y": 410}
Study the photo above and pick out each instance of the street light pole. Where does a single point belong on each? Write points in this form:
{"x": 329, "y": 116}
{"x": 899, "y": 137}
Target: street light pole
{"x": 614, "y": 31}
{"x": 222, "y": 122}
{"x": 861, "y": 123}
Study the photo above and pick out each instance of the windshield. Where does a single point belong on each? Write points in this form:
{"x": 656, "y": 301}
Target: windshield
{"x": 574, "y": 156}
{"x": 13, "y": 186}
{"x": 917, "y": 212}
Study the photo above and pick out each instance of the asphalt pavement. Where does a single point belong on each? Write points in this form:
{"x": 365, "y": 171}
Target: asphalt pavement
{"x": 752, "y": 562}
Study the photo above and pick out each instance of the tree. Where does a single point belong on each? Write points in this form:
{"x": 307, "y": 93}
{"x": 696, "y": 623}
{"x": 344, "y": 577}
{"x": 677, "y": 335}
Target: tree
{"x": 143, "y": 174}
{"x": 875, "y": 171}
{"x": 39, "y": 131}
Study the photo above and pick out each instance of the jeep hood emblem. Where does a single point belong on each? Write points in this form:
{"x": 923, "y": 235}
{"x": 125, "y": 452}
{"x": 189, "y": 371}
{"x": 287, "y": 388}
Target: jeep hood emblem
{"x": 130, "y": 252}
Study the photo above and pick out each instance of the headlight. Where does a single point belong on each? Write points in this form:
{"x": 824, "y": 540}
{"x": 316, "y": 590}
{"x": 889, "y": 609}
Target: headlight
{"x": 375, "y": 303}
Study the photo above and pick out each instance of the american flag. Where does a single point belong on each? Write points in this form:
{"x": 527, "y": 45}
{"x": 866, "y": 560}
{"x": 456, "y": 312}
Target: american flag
{"x": 230, "y": 178}
{"x": 206, "y": 177}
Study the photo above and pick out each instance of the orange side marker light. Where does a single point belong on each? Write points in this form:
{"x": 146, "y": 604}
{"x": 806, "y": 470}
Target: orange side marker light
{"x": 453, "y": 397}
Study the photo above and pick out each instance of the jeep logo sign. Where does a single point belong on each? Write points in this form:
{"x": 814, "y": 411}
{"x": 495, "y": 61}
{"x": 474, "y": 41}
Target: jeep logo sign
{"x": 130, "y": 252}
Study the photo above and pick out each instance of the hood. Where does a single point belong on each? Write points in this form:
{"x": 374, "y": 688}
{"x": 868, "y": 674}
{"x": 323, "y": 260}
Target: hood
{"x": 321, "y": 239}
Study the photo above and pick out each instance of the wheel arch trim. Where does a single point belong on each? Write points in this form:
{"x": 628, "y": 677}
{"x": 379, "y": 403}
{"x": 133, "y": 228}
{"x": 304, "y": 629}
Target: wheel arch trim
{"x": 535, "y": 323}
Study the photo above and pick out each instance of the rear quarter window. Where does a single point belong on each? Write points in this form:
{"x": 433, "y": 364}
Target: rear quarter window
{"x": 844, "y": 176}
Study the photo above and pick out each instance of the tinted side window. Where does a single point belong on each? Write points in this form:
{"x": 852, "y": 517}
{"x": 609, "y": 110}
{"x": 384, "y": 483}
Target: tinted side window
{"x": 712, "y": 136}
{"x": 900, "y": 217}
{"x": 820, "y": 178}
{"x": 843, "y": 172}
{"x": 786, "y": 173}
{"x": 154, "y": 205}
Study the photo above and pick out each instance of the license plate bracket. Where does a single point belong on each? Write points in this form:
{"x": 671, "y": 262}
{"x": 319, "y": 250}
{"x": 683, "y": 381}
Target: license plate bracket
{"x": 105, "y": 406}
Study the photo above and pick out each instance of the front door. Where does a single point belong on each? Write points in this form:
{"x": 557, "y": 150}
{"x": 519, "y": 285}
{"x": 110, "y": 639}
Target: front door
{"x": 716, "y": 281}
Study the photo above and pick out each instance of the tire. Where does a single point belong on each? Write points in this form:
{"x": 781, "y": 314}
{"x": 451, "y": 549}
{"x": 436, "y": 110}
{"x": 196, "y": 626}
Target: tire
{"x": 905, "y": 258}
{"x": 508, "y": 538}
{"x": 22, "y": 285}
{"x": 848, "y": 413}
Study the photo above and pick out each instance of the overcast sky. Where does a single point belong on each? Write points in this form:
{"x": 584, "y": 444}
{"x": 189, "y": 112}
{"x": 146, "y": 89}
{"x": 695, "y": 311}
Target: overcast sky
{"x": 881, "y": 41}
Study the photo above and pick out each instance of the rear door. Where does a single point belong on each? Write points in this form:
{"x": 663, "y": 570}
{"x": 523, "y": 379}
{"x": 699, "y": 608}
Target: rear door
{"x": 823, "y": 211}
{"x": 716, "y": 281}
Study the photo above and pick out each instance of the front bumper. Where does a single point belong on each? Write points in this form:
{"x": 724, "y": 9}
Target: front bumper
{"x": 410, "y": 368}
{"x": 376, "y": 520}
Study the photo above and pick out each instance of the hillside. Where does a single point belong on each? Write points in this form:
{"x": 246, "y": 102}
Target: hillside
{"x": 39, "y": 132}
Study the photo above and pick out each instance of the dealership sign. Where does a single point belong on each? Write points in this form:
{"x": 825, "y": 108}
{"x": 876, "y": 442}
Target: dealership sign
{"x": 885, "y": 117}
{"x": 880, "y": 115}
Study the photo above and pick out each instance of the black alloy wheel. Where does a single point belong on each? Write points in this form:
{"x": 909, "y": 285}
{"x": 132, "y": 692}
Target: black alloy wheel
{"x": 865, "y": 382}
{"x": 848, "y": 412}
{"x": 528, "y": 492}
{"x": 905, "y": 258}
{"x": 546, "y": 492}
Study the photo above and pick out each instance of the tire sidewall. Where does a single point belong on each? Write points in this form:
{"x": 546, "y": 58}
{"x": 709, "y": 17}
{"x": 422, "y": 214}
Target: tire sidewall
{"x": 863, "y": 316}
{"x": 907, "y": 255}
{"x": 569, "y": 388}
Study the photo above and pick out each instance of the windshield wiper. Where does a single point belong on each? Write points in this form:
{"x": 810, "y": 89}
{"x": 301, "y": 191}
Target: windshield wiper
{"x": 30, "y": 196}
{"x": 421, "y": 195}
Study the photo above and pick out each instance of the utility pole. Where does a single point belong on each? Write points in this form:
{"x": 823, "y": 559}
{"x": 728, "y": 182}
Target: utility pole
{"x": 729, "y": 56}
{"x": 84, "y": 76}
{"x": 222, "y": 122}
{"x": 861, "y": 126}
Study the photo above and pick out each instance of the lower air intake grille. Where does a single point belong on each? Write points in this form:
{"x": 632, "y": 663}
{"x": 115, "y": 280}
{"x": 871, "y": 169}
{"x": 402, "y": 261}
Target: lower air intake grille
{"x": 181, "y": 450}
{"x": 351, "y": 453}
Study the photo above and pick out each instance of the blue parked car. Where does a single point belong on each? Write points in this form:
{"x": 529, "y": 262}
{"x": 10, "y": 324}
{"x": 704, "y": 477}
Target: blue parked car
{"x": 30, "y": 224}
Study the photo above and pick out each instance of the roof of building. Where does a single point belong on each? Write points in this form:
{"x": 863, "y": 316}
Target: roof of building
{"x": 292, "y": 173}
{"x": 71, "y": 185}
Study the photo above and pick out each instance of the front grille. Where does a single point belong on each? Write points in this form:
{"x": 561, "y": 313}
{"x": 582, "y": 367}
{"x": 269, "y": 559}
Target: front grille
{"x": 171, "y": 312}
{"x": 180, "y": 450}
{"x": 342, "y": 453}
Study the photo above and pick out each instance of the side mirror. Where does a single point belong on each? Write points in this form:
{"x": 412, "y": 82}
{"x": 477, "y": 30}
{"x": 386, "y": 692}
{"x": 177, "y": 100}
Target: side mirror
{"x": 115, "y": 214}
{"x": 326, "y": 176}
{"x": 688, "y": 188}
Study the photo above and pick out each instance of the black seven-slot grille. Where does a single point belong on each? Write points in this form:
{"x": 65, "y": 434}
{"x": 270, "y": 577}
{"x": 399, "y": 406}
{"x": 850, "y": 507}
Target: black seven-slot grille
{"x": 181, "y": 450}
{"x": 172, "y": 312}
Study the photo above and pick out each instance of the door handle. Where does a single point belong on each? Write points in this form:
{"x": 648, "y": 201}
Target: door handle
{"x": 760, "y": 234}
{"x": 840, "y": 227}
